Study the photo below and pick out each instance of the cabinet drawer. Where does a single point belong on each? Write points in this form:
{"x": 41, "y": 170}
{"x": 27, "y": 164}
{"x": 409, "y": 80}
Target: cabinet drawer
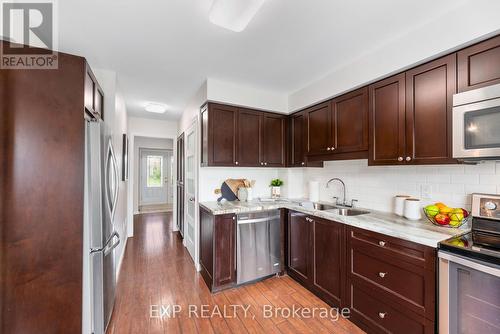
{"x": 404, "y": 282}
{"x": 383, "y": 246}
{"x": 380, "y": 317}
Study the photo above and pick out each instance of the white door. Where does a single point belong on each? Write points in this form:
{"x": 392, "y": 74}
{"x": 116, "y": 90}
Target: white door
{"x": 154, "y": 173}
{"x": 190, "y": 230}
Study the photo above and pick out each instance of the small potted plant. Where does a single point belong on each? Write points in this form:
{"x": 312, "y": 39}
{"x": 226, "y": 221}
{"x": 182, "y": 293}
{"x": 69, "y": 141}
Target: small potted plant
{"x": 276, "y": 188}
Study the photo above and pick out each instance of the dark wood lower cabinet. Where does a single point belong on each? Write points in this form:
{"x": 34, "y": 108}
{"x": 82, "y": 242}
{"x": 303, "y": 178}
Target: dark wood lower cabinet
{"x": 299, "y": 247}
{"x": 389, "y": 284}
{"x": 328, "y": 259}
{"x": 218, "y": 249}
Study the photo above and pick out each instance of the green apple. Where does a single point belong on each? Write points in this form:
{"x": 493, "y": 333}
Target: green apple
{"x": 431, "y": 210}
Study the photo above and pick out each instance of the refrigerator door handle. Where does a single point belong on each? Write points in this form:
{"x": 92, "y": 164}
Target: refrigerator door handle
{"x": 104, "y": 248}
{"x": 112, "y": 198}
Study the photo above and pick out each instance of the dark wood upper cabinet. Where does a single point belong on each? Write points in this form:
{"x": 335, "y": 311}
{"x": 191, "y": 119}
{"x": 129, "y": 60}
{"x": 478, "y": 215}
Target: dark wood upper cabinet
{"x": 273, "y": 140}
{"x": 220, "y": 135}
{"x": 429, "y": 103}
{"x": 387, "y": 121}
{"x": 249, "y": 134}
{"x": 350, "y": 121}
{"x": 319, "y": 129}
{"x": 297, "y": 140}
{"x": 94, "y": 96}
{"x": 328, "y": 261}
{"x": 479, "y": 65}
{"x": 299, "y": 246}
{"x": 232, "y": 136}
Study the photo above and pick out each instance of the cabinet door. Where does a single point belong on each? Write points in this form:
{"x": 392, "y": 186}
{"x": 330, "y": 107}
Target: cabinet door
{"x": 249, "y": 138}
{"x": 299, "y": 245}
{"x": 319, "y": 129}
{"x": 222, "y": 135}
{"x": 273, "y": 139}
{"x": 225, "y": 264}
{"x": 350, "y": 113}
{"x": 204, "y": 135}
{"x": 429, "y": 103}
{"x": 479, "y": 65}
{"x": 387, "y": 121}
{"x": 206, "y": 243}
{"x": 297, "y": 140}
{"x": 328, "y": 259}
{"x": 89, "y": 93}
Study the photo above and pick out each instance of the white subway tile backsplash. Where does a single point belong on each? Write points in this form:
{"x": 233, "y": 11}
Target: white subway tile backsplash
{"x": 465, "y": 179}
{"x": 376, "y": 186}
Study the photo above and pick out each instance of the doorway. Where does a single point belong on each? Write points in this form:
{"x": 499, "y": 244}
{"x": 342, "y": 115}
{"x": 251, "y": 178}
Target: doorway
{"x": 155, "y": 180}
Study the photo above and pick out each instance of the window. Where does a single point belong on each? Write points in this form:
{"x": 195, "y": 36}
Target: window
{"x": 155, "y": 171}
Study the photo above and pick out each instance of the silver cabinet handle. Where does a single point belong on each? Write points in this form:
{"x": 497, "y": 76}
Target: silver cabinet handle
{"x": 381, "y": 243}
{"x": 328, "y": 148}
{"x": 382, "y": 315}
{"x": 191, "y": 199}
{"x": 333, "y": 148}
{"x": 400, "y": 159}
{"x": 408, "y": 158}
{"x": 303, "y": 163}
{"x": 265, "y": 163}
{"x": 236, "y": 163}
{"x": 262, "y": 164}
{"x": 381, "y": 274}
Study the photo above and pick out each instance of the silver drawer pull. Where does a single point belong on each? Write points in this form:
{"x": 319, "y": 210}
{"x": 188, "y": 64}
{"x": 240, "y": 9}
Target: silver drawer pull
{"x": 381, "y": 243}
{"x": 382, "y": 315}
{"x": 382, "y": 275}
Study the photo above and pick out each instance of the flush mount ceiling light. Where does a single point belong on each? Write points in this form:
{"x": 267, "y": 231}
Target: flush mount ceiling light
{"x": 157, "y": 108}
{"x": 234, "y": 14}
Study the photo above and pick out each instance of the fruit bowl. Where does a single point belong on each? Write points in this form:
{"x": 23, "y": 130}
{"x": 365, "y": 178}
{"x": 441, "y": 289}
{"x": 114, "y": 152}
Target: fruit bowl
{"x": 453, "y": 219}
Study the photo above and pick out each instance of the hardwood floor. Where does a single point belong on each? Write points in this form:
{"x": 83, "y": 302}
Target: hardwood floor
{"x": 157, "y": 270}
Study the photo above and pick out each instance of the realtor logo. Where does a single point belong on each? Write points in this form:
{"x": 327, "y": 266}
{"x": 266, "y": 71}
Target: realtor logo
{"x": 28, "y": 34}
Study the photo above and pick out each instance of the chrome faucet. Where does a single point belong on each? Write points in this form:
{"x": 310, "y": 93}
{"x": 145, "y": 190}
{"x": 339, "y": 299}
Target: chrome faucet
{"x": 344, "y": 202}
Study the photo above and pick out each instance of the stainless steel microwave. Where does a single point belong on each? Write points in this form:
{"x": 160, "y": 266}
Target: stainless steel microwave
{"x": 476, "y": 124}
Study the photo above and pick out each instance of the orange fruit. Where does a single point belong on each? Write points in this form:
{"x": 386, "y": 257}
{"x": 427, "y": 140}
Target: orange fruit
{"x": 445, "y": 210}
{"x": 440, "y": 205}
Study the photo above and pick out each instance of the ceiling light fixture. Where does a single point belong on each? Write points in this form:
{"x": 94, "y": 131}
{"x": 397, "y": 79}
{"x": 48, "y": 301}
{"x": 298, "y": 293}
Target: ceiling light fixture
{"x": 157, "y": 108}
{"x": 234, "y": 14}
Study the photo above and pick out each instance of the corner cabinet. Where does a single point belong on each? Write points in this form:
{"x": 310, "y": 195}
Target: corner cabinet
{"x": 411, "y": 115}
{"x": 93, "y": 96}
{"x": 297, "y": 138}
{"x": 242, "y": 137}
{"x": 217, "y": 250}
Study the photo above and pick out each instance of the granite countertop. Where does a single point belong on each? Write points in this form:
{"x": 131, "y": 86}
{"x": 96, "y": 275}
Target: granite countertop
{"x": 421, "y": 231}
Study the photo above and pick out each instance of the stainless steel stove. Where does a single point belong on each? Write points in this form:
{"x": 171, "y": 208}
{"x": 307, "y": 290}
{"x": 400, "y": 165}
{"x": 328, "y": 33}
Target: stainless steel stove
{"x": 469, "y": 273}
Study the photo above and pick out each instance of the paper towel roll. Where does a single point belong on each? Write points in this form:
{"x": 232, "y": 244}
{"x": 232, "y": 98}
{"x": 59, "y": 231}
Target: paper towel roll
{"x": 313, "y": 191}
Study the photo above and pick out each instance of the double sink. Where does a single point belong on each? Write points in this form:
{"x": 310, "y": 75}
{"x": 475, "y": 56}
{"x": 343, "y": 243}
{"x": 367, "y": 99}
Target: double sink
{"x": 339, "y": 210}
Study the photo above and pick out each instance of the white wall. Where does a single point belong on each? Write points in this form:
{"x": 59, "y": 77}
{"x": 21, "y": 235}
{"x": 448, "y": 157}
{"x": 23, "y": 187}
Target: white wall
{"x": 146, "y": 142}
{"x": 144, "y": 127}
{"x": 375, "y": 187}
{"x": 115, "y": 116}
{"x": 242, "y": 95}
{"x": 211, "y": 178}
{"x": 192, "y": 110}
{"x": 467, "y": 22}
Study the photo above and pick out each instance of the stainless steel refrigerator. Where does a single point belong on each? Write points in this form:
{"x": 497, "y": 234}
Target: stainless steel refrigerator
{"x": 100, "y": 237}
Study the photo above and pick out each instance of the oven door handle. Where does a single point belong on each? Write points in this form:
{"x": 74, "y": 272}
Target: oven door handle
{"x": 495, "y": 271}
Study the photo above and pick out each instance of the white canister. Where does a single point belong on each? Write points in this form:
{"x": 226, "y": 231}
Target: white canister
{"x": 412, "y": 210}
{"x": 242, "y": 194}
{"x": 314, "y": 191}
{"x": 275, "y": 192}
{"x": 249, "y": 194}
{"x": 399, "y": 204}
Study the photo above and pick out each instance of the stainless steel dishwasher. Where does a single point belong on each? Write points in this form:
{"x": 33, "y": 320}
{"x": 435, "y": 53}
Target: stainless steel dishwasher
{"x": 258, "y": 245}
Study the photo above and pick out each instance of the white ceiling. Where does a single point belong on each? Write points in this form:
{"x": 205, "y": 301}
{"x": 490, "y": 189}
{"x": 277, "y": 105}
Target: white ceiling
{"x": 163, "y": 51}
